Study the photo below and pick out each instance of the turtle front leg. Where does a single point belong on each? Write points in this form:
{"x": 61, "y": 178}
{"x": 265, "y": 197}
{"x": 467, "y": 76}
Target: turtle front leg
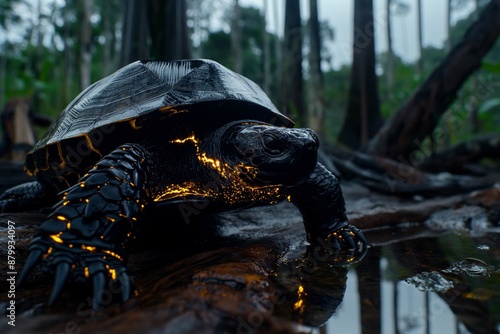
{"x": 87, "y": 236}
{"x": 322, "y": 205}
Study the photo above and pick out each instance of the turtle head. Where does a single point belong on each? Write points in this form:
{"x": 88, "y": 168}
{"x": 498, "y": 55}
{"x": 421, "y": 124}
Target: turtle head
{"x": 277, "y": 155}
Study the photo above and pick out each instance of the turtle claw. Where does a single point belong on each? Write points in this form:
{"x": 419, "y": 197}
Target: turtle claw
{"x": 77, "y": 265}
{"x": 357, "y": 233}
{"x": 61, "y": 275}
{"x": 336, "y": 243}
{"x": 125, "y": 286}
{"x": 348, "y": 237}
{"x": 346, "y": 244}
{"x": 32, "y": 260}
{"x": 351, "y": 237}
{"x": 99, "y": 284}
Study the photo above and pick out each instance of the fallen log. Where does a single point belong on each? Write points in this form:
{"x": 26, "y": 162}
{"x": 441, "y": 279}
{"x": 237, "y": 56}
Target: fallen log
{"x": 398, "y": 177}
{"x": 464, "y": 158}
{"x": 245, "y": 271}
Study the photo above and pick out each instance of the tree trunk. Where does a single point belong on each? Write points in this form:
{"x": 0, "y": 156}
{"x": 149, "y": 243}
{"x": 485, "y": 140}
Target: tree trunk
{"x": 420, "y": 114}
{"x": 107, "y": 22}
{"x": 474, "y": 103}
{"x": 316, "y": 112}
{"x": 3, "y": 77}
{"x": 135, "y": 32}
{"x": 363, "y": 117}
{"x": 390, "y": 52}
{"x": 236, "y": 38}
{"x": 266, "y": 54}
{"x": 168, "y": 29}
{"x": 86, "y": 44}
{"x": 278, "y": 54}
{"x": 293, "y": 104}
{"x": 448, "y": 26}
{"x": 35, "y": 61}
{"x": 420, "y": 66}
{"x": 69, "y": 56}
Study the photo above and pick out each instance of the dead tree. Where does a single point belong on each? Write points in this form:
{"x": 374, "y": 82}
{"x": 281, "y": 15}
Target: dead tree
{"x": 419, "y": 116}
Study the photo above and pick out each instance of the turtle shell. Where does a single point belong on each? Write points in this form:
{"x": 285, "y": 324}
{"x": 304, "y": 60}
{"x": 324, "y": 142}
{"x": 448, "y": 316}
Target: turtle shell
{"x": 131, "y": 95}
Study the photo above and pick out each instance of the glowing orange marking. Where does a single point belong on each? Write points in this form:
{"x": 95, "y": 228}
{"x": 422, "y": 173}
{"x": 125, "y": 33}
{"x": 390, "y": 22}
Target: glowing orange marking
{"x": 299, "y": 304}
{"x": 89, "y": 248}
{"x": 233, "y": 188}
{"x": 56, "y": 238}
{"x": 112, "y": 272}
{"x": 113, "y": 254}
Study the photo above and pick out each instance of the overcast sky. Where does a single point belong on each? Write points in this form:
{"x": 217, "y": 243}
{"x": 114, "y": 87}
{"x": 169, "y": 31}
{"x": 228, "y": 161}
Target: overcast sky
{"x": 339, "y": 13}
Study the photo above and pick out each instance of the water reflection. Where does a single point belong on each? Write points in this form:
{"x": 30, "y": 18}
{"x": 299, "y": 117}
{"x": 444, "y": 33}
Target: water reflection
{"x": 431, "y": 284}
{"x": 225, "y": 276}
{"x": 310, "y": 287}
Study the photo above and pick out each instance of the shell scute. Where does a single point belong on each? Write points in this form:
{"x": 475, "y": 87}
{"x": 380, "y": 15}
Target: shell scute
{"x": 135, "y": 92}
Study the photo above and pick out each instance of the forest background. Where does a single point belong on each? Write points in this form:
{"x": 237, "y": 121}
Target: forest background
{"x": 60, "y": 47}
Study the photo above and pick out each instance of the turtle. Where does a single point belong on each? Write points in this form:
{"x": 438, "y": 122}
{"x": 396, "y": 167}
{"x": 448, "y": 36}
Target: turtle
{"x": 165, "y": 134}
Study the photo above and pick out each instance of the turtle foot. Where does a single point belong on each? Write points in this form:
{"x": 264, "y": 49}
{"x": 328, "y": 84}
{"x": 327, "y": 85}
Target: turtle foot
{"x": 346, "y": 245}
{"x": 77, "y": 264}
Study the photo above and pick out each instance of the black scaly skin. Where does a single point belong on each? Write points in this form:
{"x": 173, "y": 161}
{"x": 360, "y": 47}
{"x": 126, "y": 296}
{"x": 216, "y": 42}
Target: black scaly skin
{"x": 321, "y": 203}
{"x": 102, "y": 211}
{"x": 27, "y": 196}
{"x": 87, "y": 235}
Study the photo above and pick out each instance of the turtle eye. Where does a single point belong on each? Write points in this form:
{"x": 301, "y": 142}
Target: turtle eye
{"x": 272, "y": 144}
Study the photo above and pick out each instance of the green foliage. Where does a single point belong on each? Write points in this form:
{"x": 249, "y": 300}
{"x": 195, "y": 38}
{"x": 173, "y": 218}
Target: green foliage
{"x": 481, "y": 89}
{"x": 7, "y": 14}
{"x": 51, "y": 71}
{"x": 490, "y": 105}
{"x": 217, "y": 46}
{"x": 491, "y": 67}
{"x": 336, "y": 92}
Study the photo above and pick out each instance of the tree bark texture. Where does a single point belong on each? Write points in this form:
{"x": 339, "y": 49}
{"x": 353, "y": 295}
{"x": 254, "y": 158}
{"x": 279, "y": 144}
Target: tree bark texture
{"x": 266, "y": 54}
{"x": 168, "y": 29}
{"x": 292, "y": 97}
{"x": 135, "y": 31}
{"x": 461, "y": 158}
{"x": 155, "y": 30}
{"x": 317, "y": 106}
{"x": 420, "y": 33}
{"x": 362, "y": 119}
{"x": 86, "y": 44}
{"x": 236, "y": 38}
{"x": 418, "y": 117}
{"x": 390, "y": 52}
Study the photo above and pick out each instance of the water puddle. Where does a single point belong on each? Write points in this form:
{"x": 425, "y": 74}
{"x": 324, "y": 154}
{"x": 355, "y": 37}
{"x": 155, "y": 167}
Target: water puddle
{"x": 439, "y": 284}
